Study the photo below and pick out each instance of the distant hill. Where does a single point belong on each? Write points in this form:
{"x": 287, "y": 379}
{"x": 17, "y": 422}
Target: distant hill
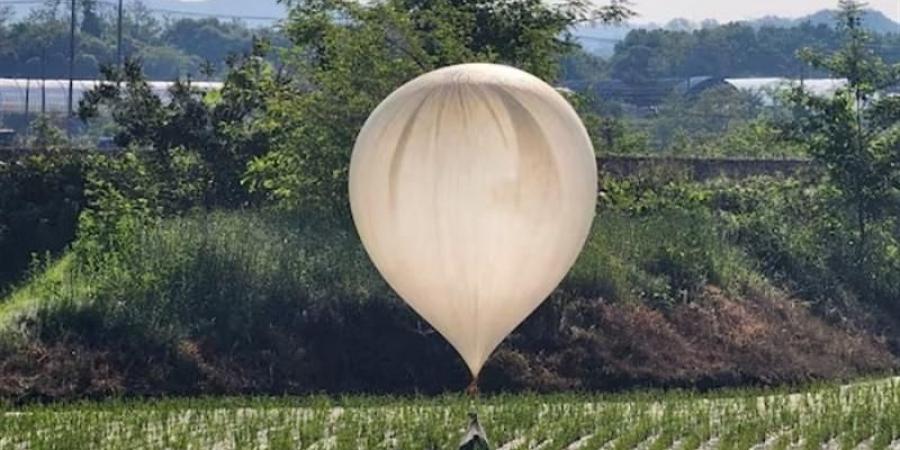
{"x": 240, "y": 8}
{"x": 875, "y": 21}
{"x": 601, "y": 40}
{"x": 597, "y": 39}
{"x": 265, "y": 8}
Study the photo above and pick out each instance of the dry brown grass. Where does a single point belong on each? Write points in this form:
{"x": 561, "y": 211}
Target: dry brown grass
{"x": 587, "y": 344}
{"x": 718, "y": 340}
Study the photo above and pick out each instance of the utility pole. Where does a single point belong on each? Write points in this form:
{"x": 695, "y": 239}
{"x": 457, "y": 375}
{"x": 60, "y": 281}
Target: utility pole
{"x": 71, "y": 64}
{"x": 44, "y": 79}
{"x": 119, "y": 37}
{"x": 27, "y": 104}
{"x": 802, "y": 76}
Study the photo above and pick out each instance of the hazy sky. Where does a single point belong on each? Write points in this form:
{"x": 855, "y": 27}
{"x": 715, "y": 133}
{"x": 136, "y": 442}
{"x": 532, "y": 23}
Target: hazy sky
{"x": 725, "y": 10}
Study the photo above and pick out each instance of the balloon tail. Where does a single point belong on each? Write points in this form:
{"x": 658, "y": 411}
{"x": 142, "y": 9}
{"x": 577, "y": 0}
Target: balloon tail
{"x": 475, "y": 437}
{"x": 472, "y": 390}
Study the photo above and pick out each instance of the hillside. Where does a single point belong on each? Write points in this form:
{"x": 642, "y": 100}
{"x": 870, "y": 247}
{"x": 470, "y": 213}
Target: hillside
{"x": 873, "y": 20}
{"x": 243, "y": 302}
{"x": 258, "y": 8}
{"x": 601, "y": 40}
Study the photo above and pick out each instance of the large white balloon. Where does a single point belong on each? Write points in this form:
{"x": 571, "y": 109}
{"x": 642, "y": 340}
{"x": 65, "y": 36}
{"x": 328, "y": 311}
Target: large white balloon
{"x": 473, "y": 189}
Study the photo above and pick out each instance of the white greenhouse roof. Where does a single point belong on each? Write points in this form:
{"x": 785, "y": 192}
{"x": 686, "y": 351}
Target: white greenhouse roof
{"x": 14, "y": 91}
{"x": 767, "y": 86}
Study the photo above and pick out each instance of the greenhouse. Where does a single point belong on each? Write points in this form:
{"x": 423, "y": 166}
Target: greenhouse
{"x": 52, "y": 96}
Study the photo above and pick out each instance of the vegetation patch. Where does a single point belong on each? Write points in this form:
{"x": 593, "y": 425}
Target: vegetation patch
{"x": 851, "y": 415}
{"x": 244, "y": 302}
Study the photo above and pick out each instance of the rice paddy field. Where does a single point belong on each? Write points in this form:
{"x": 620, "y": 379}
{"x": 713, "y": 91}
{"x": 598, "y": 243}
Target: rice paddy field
{"x": 865, "y": 415}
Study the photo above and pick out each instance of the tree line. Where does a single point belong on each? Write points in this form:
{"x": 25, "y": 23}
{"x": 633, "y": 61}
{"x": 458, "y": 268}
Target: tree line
{"x": 729, "y": 50}
{"x": 37, "y": 45}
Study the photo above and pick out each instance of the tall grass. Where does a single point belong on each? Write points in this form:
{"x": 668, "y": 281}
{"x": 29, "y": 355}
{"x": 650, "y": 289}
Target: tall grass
{"x": 206, "y": 274}
{"x": 663, "y": 257}
{"x": 217, "y": 274}
{"x": 244, "y": 299}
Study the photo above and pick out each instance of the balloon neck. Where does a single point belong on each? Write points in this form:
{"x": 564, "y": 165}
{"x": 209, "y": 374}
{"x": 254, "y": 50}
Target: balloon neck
{"x": 472, "y": 390}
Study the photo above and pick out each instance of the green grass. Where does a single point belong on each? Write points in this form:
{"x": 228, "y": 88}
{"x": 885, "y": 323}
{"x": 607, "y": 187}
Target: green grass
{"x": 663, "y": 257}
{"x": 55, "y": 282}
{"x": 732, "y": 420}
{"x": 173, "y": 278}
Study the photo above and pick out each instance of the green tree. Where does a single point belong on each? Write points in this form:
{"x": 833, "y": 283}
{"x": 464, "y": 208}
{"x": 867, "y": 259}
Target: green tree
{"x": 208, "y": 69}
{"x": 635, "y": 65}
{"x": 91, "y": 23}
{"x": 854, "y": 134}
{"x": 41, "y": 197}
{"x": 705, "y": 116}
{"x": 38, "y": 43}
{"x": 5, "y": 15}
{"x": 212, "y": 38}
{"x": 44, "y": 134}
{"x": 732, "y": 50}
{"x": 142, "y": 24}
{"x": 580, "y": 67}
{"x": 350, "y": 55}
{"x": 198, "y": 144}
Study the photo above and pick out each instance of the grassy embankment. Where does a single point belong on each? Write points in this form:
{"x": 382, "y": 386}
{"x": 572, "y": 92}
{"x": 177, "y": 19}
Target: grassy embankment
{"x": 244, "y": 302}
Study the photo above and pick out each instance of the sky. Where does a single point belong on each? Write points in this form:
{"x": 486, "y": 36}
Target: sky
{"x": 727, "y": 10}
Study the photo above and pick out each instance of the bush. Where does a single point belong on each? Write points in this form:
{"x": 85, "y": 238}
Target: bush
{"x": 792, "y": 232}
{"x": 41, "y": 196}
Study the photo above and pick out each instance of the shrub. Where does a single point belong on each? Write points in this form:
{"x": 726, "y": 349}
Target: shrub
{"x": 41, "y": 196}
{"x": 790, "y": 231}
